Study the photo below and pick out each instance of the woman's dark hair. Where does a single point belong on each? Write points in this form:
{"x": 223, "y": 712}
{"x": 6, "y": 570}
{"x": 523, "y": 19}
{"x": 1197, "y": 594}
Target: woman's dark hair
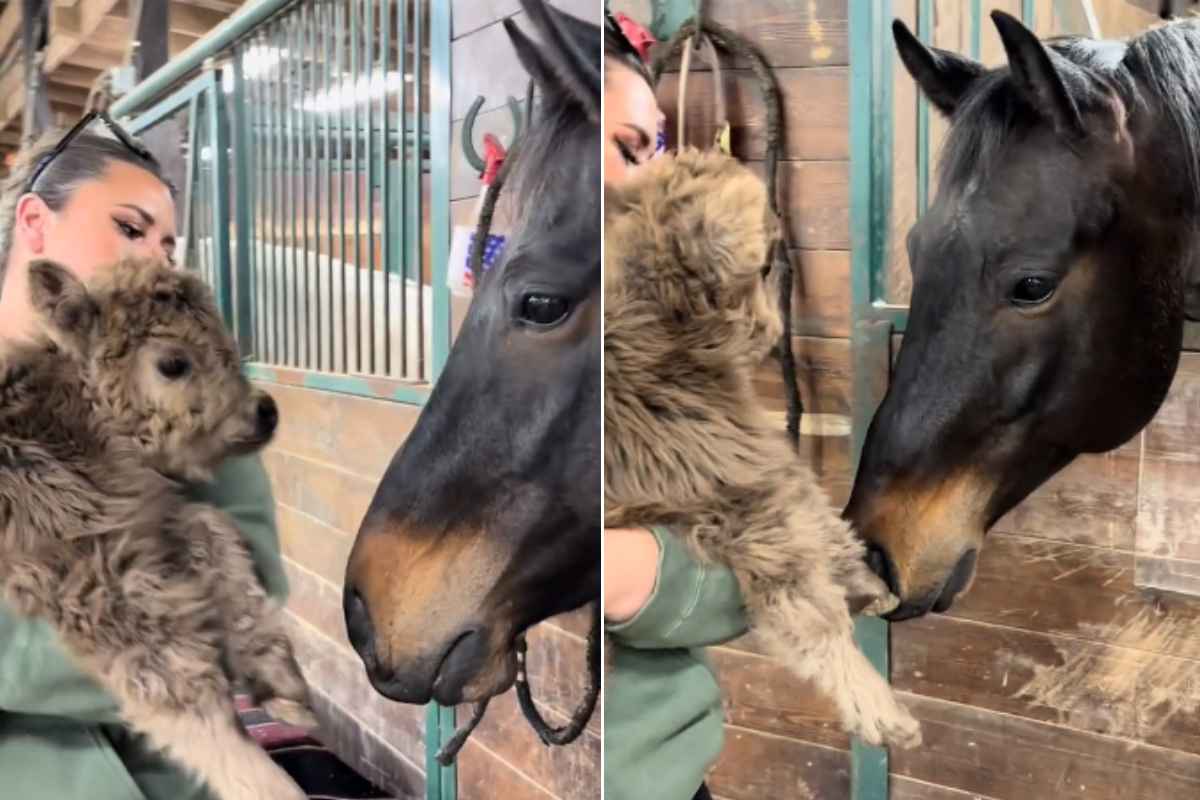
{"x": 618, "y": 48}
{"x": 87, "y": 158}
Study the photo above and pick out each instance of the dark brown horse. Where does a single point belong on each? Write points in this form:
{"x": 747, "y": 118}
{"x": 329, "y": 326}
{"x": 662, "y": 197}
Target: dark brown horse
{"x": 488, "y": 519}
{"x": 1049, "y": 285}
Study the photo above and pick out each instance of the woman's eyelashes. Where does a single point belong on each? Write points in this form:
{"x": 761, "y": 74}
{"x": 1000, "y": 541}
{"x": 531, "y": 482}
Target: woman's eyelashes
{"x": 626, "y": 153}
{"x": 131, "y": 232}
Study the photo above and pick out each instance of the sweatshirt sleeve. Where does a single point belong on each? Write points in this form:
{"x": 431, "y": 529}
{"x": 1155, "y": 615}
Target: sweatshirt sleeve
{"x": 37, "y": 676}
{"x": 693, "y": 604}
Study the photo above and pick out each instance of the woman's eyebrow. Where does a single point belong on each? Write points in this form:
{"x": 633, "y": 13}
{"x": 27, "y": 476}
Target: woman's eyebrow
{"x": 146, "y": 216}
{"x": 643, "y": 137}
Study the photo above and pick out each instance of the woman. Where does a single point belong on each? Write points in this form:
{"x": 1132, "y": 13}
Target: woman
{"x": 98, "y": 200}
{"x": 663, "y": 724}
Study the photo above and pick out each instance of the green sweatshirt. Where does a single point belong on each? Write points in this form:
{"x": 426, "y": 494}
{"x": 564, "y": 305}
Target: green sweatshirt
{"x": 663, "y": 724}
{"x": 60, "y": 736}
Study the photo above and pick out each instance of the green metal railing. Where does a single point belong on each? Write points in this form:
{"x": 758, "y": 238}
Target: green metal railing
{"x": 316, "y": 135}
{"x": 334, "y": 237}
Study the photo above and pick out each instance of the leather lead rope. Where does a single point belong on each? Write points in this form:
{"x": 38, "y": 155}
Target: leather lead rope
{"x": 739, "y": 47}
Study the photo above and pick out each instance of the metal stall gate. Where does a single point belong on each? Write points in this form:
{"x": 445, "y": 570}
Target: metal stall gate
{"x": 316, "y": 135}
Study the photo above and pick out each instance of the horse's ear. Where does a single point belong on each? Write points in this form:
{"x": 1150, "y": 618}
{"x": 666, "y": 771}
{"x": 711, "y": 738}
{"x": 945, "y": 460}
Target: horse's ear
{"x": 567, "y": 63}
{"x": 1035, "y": 76}
{"x": 944, "y": 77}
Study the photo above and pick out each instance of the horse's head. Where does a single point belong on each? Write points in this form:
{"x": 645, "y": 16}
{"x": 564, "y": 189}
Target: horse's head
{"x": 488, "y": 518}
{"x": 1047, "y": 304}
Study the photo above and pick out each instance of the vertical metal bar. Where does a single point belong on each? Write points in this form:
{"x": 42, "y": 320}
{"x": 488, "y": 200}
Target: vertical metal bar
{"x": 301, "y": 14}
{"x": 341, "y": 37}
{"x": 925, "y": 33}
{"x": 189, "y": 198}
{"x": 356, "y": 31}
{"x": 220, "y": 206}
{"x": 976, "y": 21}
{"x": 401, "y": 218}
{"x": 385, "y": 49}
{"x": 418, "y": 169}
{"x": 327, "y": 114}
{"x": 439, "y": 122}
{"x": 369, "y": 58}
{"x": 279, "y": 251}
{"x": 255, "y": 100}
{"x": 439, "y": 145}
{"x": 870, "y": 178}
{"x": 243, "y": 298}
{"x": 293, "y": 135}
{"x": 1028, "y": 14}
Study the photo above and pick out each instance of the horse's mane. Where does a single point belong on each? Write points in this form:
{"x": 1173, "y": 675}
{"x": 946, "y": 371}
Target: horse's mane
{"x": 1156, "y": 70}
{"x": 555, "y": 181}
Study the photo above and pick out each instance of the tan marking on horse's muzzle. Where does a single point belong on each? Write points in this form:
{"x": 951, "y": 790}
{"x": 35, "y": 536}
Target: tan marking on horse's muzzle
{"x": 423, "y": 592}
{"x": 926, "y": 531}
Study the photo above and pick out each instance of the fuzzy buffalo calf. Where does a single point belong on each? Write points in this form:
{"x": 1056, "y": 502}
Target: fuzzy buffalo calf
{"x": 688, "y": 444}
{"x": 133, "y": 388}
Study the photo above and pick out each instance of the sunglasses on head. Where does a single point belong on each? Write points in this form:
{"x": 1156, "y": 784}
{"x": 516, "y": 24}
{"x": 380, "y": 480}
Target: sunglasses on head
{"x": 81, "y": 126}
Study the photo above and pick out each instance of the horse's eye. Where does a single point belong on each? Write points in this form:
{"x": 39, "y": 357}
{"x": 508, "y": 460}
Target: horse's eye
{"x": 1033, "y": 290}
{"x": 173, "y": 368}
{"x": 544, "y": 309}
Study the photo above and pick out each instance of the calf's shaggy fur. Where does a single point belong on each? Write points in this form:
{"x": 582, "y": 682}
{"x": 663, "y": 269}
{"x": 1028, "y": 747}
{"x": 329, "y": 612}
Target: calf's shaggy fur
{"x": 134, "y": 387}
{"x": 688, "y": 319}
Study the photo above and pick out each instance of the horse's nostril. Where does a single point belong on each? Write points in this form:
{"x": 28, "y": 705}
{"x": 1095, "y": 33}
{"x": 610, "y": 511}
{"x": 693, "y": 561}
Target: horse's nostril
{"x": 268, "y": 414}
{"x": 957, "y": 581}
{"x": 881, "y": 565}
{"x": 358, "y": 624}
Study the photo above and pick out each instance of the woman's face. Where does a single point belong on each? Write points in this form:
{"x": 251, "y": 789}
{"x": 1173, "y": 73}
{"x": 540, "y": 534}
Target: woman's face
{"x": 632, "y": 120}
{"x": 126, "y": 212}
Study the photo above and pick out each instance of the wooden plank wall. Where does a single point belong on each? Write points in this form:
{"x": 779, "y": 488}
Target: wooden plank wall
{"x": 1056, "y": 676}
{"x": 327, "y": 459}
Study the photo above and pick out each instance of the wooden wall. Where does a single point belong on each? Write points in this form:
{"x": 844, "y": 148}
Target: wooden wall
{"x": 1056, "y": 676}
{"x": 327, "y": 459}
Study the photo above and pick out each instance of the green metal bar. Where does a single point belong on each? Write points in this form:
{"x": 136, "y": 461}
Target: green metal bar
{"x": 302, "y": 162}
{"x": 666, "y": 16}
{"x": 1028, "y": 13}
{"x": 976, "y": 20}
{"x": 223, "y": 263}
{"x": 279, "y": 306}
{"x": 401, "y": 218}
{"x": 257, "y": 205}
{"x": 356, "y": 32}
{"x": 385, "y": 48}
{"x": 152, "y": 116}
{"x": 396, "y": 391}
{"x": 925, "y": 33}
{"x": 870, "y": 179}
{"x": 418, "y": 209}
{"x": 369, "y": 74}
{"x": 327, "y": 116}
{"x": 189, "y": 239}
{"x": 243, "y": 210}
{"x": 293, "y": 192}
{"x": 341, "y": 36}
{"x": 314, "y": 174}
{"x": 245, "y": 20}
{"x": 439, "y": 211}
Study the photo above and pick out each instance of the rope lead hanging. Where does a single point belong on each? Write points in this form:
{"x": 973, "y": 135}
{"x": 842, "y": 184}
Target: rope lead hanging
{"x": 546, "y": 732}
{"x": 736, "y": 45}
{"x": 583, "y": 712}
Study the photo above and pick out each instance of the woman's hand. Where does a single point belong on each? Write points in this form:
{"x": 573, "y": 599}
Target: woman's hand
{"x": 630, "y": 571}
